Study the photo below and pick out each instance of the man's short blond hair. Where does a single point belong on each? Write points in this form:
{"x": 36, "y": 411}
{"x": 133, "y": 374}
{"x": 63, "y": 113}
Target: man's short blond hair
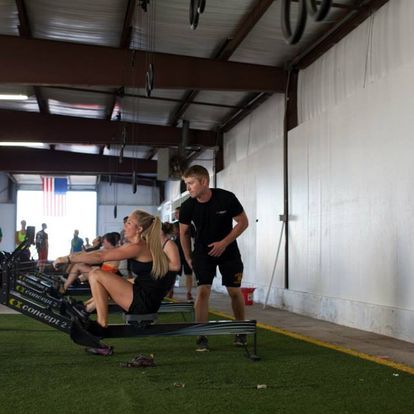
{"x": 197, "y": 171}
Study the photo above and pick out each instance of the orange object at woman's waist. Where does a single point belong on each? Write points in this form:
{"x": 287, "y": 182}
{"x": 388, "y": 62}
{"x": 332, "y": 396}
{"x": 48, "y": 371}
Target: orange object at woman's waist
{"x": 109, "y": 268}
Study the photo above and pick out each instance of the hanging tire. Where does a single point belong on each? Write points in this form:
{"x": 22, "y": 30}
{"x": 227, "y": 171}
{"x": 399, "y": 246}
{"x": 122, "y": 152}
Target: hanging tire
{"x": 134, "y": 183}
{"x": 194, "y": 14}
{"x": 121, "y": 155}
{"x": 149, "y": 80}
{"x": 293, "y": 37}
{"x": 318, "y": 13}
{"x": 201, "y": 6}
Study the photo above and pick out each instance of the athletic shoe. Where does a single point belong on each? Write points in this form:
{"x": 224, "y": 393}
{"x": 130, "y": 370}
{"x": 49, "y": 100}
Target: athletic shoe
{"x": 190, "y": 297}
{"x": 95, "y": 328}
{"x": 140, "y": 361}
{"x": 103, "y": 351}
{"x": 202, "y": 344}
{"x": 240, "y": 340}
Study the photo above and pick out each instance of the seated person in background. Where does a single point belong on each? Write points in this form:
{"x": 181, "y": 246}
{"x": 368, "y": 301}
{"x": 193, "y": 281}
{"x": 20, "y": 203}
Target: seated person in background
{"x": 154, "y": 273}
{"x": 96, "y": 244}
{"x": 109, "y": 241}
{"x": 87, "y": 245}
{"x": 167, "y": 241}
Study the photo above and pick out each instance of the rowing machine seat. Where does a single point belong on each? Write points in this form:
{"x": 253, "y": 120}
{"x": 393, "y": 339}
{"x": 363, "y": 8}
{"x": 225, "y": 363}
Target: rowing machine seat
{"x": 141, "y": 319}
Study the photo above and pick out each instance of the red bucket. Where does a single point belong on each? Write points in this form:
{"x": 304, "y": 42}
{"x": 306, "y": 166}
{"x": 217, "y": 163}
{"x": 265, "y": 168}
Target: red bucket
{"x": 247, "y": 295}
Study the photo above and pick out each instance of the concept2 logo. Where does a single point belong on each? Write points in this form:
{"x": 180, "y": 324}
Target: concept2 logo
{"x": 38, "y": 314}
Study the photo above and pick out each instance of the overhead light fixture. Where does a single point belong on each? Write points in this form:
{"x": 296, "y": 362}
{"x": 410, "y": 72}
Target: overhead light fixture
{"x": 13, "y": 97}
{"x": 23, "y": 144}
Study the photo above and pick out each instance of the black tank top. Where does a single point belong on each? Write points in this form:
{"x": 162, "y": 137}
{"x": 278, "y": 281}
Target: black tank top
{"x": 148, "y": 291}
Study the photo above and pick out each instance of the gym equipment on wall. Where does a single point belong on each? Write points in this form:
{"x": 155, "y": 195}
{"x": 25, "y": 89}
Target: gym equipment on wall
{"x": 305, "y": 7}
{"x": 197, "y": 7}
{"x": 149, "y": 80}
{"x": 318, "y": 13}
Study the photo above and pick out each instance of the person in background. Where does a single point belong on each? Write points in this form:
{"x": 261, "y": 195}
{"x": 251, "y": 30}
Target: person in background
{"x": 212, "y": 211}
{"x": 96, "y": 244}
{"x": 42, "y": 247}
{"x": 123, "y": 239}
{"x": 168, "y": 244}
{"x": 20, "y": 237}
{"x": 1, "y": 235}
{"x": 21, "y": 234}
{"x": 87, "y": 245}
{"x": 76, "y": 244}
{"x": 188, "y": 272}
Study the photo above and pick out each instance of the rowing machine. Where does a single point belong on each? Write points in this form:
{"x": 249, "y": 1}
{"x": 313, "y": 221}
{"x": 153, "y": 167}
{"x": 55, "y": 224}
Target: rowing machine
{"x": 68, "y": 320}
{"x": 42, "y": 291}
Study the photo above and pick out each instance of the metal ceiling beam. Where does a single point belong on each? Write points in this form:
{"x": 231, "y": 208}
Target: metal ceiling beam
{"x": 123, "y": 44}
{"x": 249, "y": 105}
{"x": 48, "y": 62}
{"x": 34, "y": 161}
{"x": 127, "y": 179}
{"x": 24, "y": 26}
{"x": 244, "y": 28}
{"x": 26, "y": 32}
{"x": 121, "y": 92}
{"x": 127, "y": 27}
{"x": 19, "y": 126}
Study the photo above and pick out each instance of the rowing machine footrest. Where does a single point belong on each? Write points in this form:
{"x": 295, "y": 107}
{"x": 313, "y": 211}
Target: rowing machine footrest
{"x": 140, "y": 319}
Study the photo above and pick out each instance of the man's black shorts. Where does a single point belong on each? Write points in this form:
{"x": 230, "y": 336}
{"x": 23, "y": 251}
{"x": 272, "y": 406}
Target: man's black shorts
{"x": 231, "y": 270}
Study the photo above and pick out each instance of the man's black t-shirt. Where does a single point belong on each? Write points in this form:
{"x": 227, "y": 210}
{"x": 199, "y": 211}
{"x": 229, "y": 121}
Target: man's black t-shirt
{"x": 212, "y": 220}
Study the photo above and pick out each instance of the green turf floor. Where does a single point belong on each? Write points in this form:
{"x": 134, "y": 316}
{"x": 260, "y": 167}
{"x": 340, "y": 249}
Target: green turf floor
{"x": 42, "y": 371}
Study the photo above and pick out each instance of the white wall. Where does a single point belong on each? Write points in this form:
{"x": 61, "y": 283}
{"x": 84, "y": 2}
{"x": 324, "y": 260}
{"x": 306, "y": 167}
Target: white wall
{"x": 253, "y": 152}
{"x": 146, "y": 198}
{"x": 351, "y": 180}
{"x": 351, "y": 177}
{"x": 8, "y": 226}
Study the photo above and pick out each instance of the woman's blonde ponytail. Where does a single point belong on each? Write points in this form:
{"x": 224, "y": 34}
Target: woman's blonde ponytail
{"x": 152, "y": 236}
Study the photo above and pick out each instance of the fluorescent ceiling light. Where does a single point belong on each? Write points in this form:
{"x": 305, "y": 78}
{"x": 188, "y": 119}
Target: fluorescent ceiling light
{"x": 22, "y": 144}
{"x": 13, "y": 97}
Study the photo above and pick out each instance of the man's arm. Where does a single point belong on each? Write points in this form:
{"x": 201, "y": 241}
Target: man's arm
{"x": 217, "y": 248}
{"x": 185, "y": 240}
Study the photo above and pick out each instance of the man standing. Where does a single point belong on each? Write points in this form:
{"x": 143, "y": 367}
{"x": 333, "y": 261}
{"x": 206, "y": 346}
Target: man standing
{"x": 42, "y": 247}
{"x": 76, "y": 244}
{"x": 212, "y": 211}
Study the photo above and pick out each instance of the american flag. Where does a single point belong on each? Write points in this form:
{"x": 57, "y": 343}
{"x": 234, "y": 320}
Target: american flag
{"x": 54, "y": 196}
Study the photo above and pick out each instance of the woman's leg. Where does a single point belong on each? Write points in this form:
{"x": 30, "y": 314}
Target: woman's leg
{"x": 75, "y": 271}
{"x": 104, "y": 284}
{"x": 90, "y": 305}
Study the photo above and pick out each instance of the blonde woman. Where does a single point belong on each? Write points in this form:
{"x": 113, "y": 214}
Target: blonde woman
{"x": 154, "y": 273}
